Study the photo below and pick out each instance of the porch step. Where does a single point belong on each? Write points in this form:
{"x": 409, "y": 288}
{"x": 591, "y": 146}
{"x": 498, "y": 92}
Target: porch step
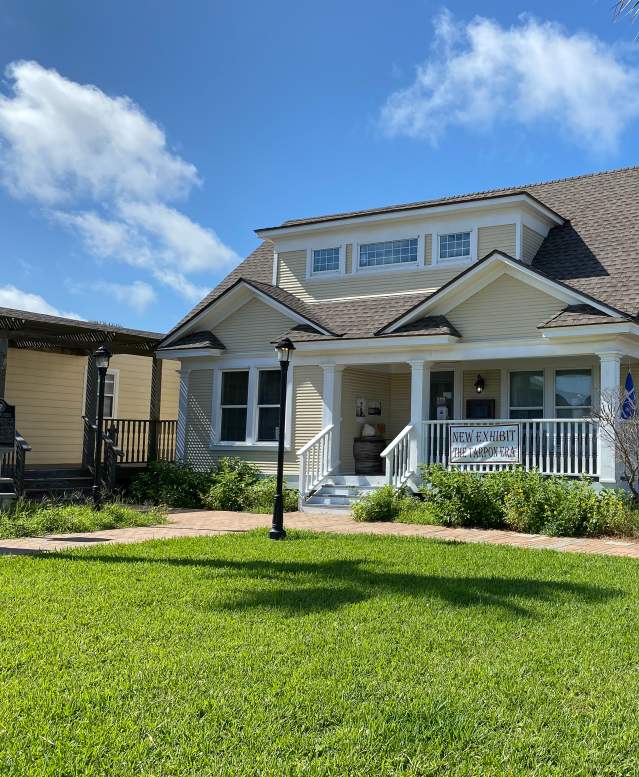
{"x": 338, "y": 493}
{"x": 57, "y": 482}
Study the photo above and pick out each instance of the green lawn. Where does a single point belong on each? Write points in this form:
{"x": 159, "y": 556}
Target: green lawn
{"x": 320, "y": 655}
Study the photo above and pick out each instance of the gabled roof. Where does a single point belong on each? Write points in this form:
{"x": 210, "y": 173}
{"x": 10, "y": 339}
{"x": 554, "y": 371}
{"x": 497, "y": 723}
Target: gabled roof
{"x": 595, "y": 252}
{"x": 309, "y": 314}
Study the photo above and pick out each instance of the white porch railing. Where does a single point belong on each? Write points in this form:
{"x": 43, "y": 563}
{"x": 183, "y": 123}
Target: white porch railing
{"x": 554, "y": 446}
{"x": 398, "y": 459}
{"x": 315, "y": 460}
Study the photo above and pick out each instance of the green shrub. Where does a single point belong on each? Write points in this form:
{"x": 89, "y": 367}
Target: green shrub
{"x": 31, "y": 519}
{"x": 232, "y": 484}
{"x": 383, "y": 504}
{"x": 527, "y": 502}
{"x": 261, "y": 496}
{"x": 173, "y": 485}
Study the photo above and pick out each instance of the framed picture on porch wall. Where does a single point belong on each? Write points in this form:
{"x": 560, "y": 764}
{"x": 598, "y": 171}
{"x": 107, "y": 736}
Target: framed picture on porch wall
{"x": 360, "y": 408}
{"x": 374, "y": 407}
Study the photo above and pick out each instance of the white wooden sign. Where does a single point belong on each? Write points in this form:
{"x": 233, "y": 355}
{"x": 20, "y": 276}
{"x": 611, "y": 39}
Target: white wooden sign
{"x": 485, "y": 444}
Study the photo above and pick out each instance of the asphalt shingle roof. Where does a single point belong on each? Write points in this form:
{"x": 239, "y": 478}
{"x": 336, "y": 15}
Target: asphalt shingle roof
{"x": 580, "y": 314}
{"x": 204, "y": 339}
{"x": 596, "y": 252}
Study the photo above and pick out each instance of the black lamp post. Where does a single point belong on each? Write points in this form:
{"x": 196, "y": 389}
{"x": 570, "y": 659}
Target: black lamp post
{"x": 102, "y": 357}
{"x": 284, "y": 349}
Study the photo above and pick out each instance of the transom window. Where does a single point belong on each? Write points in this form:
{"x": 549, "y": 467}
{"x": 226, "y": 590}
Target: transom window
{"x": 527, "y": 394}
{"x": 234, "y": 406}
{"x": 388, "y": 252}
{"x": 326, "y": 260}
{"x": 573, "y": 393}
{"x": 268, "y": 406}
{"x": 455, "y": 245}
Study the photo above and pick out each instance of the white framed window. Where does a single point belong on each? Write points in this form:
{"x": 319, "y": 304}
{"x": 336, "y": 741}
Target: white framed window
{"x": 110, "y": 394}
{"x": 388, "y": 252}
{"x": 573, "y": 393}
{"x": 246, "y": 406}
{"x": 268, "y": 405}
{"x": 325, "y": 260}
{"x": 455, "y": 246}
{"x": 234, "y": 405}
{"x": 526, "y": 394}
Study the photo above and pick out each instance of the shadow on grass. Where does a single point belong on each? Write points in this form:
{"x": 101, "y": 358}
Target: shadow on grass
{"x": 299, "y": 587}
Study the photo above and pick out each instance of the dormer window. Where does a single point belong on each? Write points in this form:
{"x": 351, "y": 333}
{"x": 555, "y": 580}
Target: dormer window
{"x": 326, "y": 260}
{"x": 388, "y": 252}
{"x": 454, "y": 245}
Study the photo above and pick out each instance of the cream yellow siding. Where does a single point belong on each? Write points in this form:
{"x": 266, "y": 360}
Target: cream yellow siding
{"x": 134, "y": 386}
{"x": 428, "y": 249}
{"x": 361, "y": 383}
{"x": 501, "y": 237}
{"x": 307, "y": 422}
{"x": 400, "y": 403}
{"x": 506, "y": 308}
{"x": 530, "y": 243}
{"x": 253, "y": 327}
{"x": 492, "y": 388}
{"x": 48, "y": 390}
{"x": 292, "y": 271}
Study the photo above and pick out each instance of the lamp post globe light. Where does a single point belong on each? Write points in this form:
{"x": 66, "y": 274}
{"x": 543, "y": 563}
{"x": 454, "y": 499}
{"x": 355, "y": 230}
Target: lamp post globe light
{"x": 284, "y": 350}
{"x": 102, "y": 357}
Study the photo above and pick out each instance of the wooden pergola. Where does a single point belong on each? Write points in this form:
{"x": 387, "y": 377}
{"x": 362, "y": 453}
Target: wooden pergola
{"x": 53, "y": 334}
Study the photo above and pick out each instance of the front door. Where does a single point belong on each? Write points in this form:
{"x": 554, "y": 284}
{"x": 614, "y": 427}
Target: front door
{"x": 442, "y": 386}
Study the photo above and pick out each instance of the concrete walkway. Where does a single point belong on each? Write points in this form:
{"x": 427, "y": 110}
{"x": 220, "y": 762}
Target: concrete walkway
{"x": 200, "y": 523}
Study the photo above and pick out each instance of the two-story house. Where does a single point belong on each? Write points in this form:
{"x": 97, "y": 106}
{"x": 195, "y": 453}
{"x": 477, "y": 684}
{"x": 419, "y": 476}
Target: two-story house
{"x": 516, "y": 304}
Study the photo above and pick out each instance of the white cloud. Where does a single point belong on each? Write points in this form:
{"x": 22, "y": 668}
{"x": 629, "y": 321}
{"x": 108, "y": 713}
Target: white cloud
{"x": 138, "y": 295}
{"x": 11, "y": 297}
{"x": 103, "y": 169}
{"x": 481, "y": 74}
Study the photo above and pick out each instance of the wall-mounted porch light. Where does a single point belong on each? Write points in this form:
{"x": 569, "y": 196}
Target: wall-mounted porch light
{"x": 480, "y": 384}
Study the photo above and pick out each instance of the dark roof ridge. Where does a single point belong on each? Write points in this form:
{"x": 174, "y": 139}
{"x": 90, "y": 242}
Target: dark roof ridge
{"x": 516, "y": 189}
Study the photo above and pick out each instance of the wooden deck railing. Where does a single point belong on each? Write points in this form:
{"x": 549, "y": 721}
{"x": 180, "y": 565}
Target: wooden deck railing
{"x": 143, "y": 440}
{"x": 13, "y": 463}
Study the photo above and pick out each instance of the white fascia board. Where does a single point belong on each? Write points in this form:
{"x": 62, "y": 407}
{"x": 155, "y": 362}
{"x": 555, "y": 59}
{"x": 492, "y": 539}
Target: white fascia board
{"x": 185, "y": 353}
{"x": 411, "y": 213}
{"x": 480, "y": 276}
{"x": 590, "y": 331}
{"x": 376, "y": 343}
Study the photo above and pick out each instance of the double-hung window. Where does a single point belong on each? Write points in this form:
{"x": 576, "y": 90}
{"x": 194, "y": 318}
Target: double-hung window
{"x": 234, "y": 406}
{"x": 110, "y": 393}
{"x": 573, "y": 393}
{"x": 249, "y": 406}
{"x": 527, "y": 394}
{"x": 268, "y": 405}
{"x": 454, "y": 245}
{"x": 325, "y": 260}
{"x": 388, "y": 252}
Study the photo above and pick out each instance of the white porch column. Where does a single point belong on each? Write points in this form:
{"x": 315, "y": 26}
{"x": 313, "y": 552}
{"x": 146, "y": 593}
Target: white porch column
{"x": 332, "y": 406}
{"x": 419, "y": 406}
{"x": 180, "y": 436}
{"x": 610, "y": 382}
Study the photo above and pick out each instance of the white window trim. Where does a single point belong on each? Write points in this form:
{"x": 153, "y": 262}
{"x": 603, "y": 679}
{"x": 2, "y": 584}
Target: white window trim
{"x": 251, "y": 442}
{"x": 550, "y": 410}
{"x": 544, "y": 404}
{"x": 398, "y": 267}
{"x": 593, "y": 383}
{"x": 315, "y": 276}
{"x": 458, "y": 260}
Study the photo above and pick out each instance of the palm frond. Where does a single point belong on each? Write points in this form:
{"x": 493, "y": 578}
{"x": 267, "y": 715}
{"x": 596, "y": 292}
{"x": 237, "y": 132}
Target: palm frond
{"x": 629, "y": 7}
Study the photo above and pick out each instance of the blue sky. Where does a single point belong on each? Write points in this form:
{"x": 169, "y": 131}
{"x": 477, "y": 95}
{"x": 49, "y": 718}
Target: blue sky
{"x": 240, "y": 115}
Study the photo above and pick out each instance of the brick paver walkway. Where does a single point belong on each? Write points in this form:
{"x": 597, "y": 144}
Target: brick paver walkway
{"x": 199, "y": 523}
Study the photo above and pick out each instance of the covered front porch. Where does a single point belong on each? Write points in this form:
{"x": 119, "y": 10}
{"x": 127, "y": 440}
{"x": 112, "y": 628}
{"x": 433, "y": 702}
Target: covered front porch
{"x": 414, "y": 404}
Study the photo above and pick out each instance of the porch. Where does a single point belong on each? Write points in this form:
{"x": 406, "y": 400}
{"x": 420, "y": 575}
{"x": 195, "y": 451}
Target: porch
{"x": 47, "y": 370}
{"x": 418, "y": 402}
